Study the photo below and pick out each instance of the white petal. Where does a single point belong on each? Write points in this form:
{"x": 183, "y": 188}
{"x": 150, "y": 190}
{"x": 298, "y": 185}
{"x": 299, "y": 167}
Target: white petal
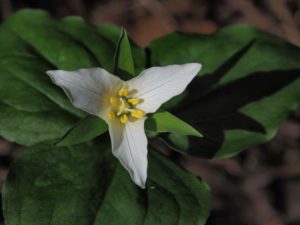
{"x": 87, "y": 89}
{"x": 129, "y": 145}
{"x": 157, "y": 85}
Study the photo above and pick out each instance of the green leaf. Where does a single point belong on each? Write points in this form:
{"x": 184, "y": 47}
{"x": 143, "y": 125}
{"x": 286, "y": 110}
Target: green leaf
{"x": 91, "y": 127}
{"x": 42, "y": 33}
{"x": 85, "y": 185}
{"x": 85, "y": 130}
{"x": 162, "y": 122}
{"x": 112, "y": 33}
{"x": 99, "y": 47}
{"x": 248, "y": 86}
{"x": 33, "y": 109}
{"x": 124, "y": 65}
{"x": 29, "y": 114}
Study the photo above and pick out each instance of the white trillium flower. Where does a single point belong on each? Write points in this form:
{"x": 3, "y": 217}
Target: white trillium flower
{"x": 124, "y": 104}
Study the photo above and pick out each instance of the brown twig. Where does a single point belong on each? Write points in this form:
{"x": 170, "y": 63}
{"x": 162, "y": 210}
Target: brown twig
{"x": 286, "y": 21}
{"x": 157, "y": 9}
{"x": 77, "y": 7}
{"x": 253, "y": 15}
{"x": 6, "y": 8}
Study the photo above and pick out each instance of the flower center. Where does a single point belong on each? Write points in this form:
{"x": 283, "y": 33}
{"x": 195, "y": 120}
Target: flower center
{"x": 124, "y": 106}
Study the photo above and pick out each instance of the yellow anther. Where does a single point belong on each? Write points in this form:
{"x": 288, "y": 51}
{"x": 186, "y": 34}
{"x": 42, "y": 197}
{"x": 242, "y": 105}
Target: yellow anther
{"x": 137, "y": 113}
{"x": 123, "y": 92}
{"x": 123, "y": 118}
{"x": 133, "y": 101}
{"x": 113, "y": 101}
{"x": 111, "y": 115}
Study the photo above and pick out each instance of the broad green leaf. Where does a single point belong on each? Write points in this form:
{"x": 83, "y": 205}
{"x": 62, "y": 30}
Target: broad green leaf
{"x": 248, "y": 86}
{"x": 33, "y": 109}
{"x": 84, "y": 185}
{"x": 162, "y": 122}
{"x": 29, "y": 127}
{"x": 41, "y": 32}
{"x": 85, "y": 130}
{"x": 91, "y": 127}
{"x": 124, "y": 65}
{"x": 112, "y": 33}
{"x": 99, "y": 47}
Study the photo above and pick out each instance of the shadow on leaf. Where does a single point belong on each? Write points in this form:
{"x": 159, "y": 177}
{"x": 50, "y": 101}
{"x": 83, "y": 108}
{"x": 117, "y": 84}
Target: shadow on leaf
{"x": 219, "y": 110}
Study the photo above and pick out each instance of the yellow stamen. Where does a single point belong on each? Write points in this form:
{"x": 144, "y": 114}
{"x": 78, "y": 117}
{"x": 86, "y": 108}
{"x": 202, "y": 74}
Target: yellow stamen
{"x": 133, "y": 101}
{"x": 137, "y": 113}
{"x": 111, "y": 115}
{"x": 122, "y": 107}
{"x": 113, "y": 101}
{"x": 123, "y": 118}
{"x": 123, "y": 92}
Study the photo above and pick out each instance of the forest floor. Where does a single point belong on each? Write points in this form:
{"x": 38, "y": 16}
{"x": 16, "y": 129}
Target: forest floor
{"x": 261, "y": 186}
